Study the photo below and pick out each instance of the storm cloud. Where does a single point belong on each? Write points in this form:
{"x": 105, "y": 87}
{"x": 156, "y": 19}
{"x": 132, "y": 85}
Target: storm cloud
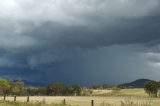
{"x": 67, "y": 40}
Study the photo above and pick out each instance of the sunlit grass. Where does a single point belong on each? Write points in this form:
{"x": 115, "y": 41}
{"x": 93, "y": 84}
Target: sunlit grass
{"x": 122, "y": 97}
{"x": 9, "y": 103}
{"x": 121, "y": 92}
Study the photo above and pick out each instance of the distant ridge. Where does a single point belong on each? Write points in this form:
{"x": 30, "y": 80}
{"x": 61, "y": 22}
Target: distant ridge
{"x": 137, "y": 83}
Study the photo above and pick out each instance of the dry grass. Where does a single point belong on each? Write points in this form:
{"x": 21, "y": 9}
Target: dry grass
{"x": 81, "y": 101}
{"x": 86, "y": 101}
{"x": 139, "y": 101}
{"x": 123, "y": 92}
{"x": 120, "y": 98}
{"x": 9, "y": 103}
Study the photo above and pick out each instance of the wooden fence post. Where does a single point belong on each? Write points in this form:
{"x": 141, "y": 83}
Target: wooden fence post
{"x": 27, "y": 98}
{"x": 64, "y": 102}
{"x": 92, "y": 102}
{"x": 4, "y": 97}
{"x": 44, "y": 100}
{"x": 15, "y": 98}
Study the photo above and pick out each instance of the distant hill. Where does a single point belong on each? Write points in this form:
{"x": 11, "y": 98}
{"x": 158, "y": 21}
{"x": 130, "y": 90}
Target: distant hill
{"x": 137, "y": 83}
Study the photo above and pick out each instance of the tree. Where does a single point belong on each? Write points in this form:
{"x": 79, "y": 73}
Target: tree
{"x": 55, "y": 89}
{"x": 76, "y": 89}
{"x": 36, "y": 91}
{"x": 5, "y": 86}
{"x": 151, "y": 87}
{"x": 67, "y": 90}
{"x": 18, "y": 87}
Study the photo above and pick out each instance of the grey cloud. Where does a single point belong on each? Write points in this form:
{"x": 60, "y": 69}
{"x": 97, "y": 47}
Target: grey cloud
{"x": 78, "y": 22}
{"x": 52, "y": 36}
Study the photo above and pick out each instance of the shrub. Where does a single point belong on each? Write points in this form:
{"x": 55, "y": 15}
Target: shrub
{"x": 151, "y": 87}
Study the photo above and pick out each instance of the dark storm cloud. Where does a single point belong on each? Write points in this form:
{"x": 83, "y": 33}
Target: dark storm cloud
{"x": 78, "y": 23}
{"x": 52, "y": 37}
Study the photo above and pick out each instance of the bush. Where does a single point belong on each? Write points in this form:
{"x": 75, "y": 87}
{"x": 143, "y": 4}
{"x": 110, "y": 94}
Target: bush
{"x": 151, "y": 87}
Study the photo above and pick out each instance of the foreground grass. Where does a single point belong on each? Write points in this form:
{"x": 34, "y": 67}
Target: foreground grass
{"x": 122, "y": 97}
{"x": 128, "y": 101}
{"x": 82, "y": 101}
{"x": 9, "y": 103}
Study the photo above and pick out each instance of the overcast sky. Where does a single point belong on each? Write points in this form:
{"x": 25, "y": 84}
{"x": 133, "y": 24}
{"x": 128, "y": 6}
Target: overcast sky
{"x": 80, "y": 41}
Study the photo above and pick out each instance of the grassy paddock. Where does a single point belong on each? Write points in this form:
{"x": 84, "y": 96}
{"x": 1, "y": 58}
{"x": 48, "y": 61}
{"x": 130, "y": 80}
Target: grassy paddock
{"x": 78, "y": 100}
{"x": 123, "y": 97}
{"x": 122, "y": 92}
{"x": 82, "y": 101}
{"x": 9, "y": 103}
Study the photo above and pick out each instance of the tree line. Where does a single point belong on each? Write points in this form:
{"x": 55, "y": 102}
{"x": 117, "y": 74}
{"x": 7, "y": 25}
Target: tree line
{"x": 17, "y": 87}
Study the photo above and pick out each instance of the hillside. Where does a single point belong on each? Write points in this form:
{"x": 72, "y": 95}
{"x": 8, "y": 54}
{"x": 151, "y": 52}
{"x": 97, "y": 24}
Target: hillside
{"x": 137, "y": 83}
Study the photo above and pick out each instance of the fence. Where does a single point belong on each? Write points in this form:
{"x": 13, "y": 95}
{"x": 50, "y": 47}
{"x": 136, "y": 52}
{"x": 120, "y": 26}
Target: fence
{"x": 29, "y": 99}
